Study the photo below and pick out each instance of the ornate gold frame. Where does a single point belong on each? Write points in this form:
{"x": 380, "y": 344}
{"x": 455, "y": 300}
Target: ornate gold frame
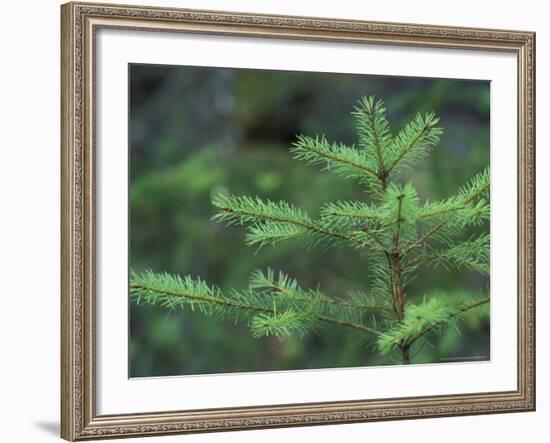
{"x": 79, "y": 23}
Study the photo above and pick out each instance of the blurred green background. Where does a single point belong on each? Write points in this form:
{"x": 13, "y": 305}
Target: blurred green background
{"x": 195, "y": 132}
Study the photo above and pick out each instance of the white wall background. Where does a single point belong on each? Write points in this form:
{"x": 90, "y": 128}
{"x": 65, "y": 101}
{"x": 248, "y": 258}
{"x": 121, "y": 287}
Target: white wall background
{"x": 29, "y": 219}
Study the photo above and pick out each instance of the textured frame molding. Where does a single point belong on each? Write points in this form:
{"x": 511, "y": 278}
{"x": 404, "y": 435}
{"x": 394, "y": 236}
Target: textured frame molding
{"x": 79, "y": 21}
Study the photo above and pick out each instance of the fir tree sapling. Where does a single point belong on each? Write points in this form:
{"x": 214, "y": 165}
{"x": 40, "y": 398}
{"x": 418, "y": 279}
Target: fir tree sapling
{"x": 398, "y": 233}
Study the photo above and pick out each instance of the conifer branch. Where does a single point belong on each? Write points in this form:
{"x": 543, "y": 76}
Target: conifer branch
{"x": 351, "y": 215}
{"x": 141, "y": 291}
{"x": 472, "y": 254}
{"x": 377, "y": 145}
{"x": 477, "y": 186}
{"x": 321, "y": 300}
{"x": 417, "y": 260}
{"x": 398, "y": 221}
{"x": 424, "y": 237}
{"x": 367, "y": 232}
{"x": 374, "y": 133}
{"x": 392, "y": 225}
{"x": 351, "y": 210}
{"x": 392, "y": 286}
{"x": 408, "y": 148}
{"x": 450, "y": 317}
{"x": 421, "y": 319}
{"x": 415, "y": 141}
{"x": 341, "y": 159}
{"x": 350, "y": 324}
{"x": 248, "y": 210}
{"x": 176, "y": 292}
{"x": 270, "y": 232}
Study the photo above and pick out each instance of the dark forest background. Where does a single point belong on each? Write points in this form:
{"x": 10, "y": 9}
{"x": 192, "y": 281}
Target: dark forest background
{"x": 195, "y": 132}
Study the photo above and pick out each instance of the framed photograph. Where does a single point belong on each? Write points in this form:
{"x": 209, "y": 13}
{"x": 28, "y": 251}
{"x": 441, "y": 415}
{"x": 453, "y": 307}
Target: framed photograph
{"x": 282, "y": 221}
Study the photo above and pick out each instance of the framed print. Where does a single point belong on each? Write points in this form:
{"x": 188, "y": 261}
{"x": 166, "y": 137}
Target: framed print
{"x": 282, "y": 221}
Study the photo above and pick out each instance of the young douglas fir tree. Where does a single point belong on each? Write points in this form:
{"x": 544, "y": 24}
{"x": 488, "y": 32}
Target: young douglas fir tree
{"x": 396, "y": 233}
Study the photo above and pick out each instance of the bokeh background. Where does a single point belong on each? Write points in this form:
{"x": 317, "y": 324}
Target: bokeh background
{"x": 195, "y": 132}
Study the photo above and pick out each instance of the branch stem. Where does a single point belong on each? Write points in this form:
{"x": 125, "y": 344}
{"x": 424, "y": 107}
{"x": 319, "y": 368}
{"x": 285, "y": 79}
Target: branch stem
{"x": 424, "y": 237}
{"x": 250, "y": 307}
{"x": 308, "y": 227}
{"x": 460, "y": 311}
{"x": 457, "y": 208}
{"x": 408, "y": 148}
{"x": 382, "y": 173}
{"x": 399, "y": 293}
{"x": 347, "y": 162}
{"x": 326, "y": 301}
{"x": 399, "y": 221}
{"x": 442, "y": 223}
